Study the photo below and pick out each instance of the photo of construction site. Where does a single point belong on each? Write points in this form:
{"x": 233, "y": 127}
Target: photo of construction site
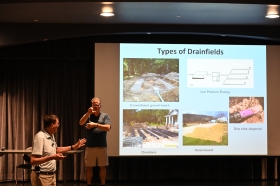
{"x": 150, "y": 80}
{"x": 150, "y": 128}
{"x": 205, "y": 128}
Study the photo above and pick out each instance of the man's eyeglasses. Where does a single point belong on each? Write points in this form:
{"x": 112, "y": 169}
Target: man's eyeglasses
{"x": 95, "y": 105}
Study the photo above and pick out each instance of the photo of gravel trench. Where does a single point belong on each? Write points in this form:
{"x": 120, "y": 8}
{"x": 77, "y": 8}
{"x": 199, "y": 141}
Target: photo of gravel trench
{"x": 150, "y": 80}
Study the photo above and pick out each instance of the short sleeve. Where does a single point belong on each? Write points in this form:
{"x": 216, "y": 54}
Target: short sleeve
{"x": 107, "y": 119}
{"x": 37, "y": 148}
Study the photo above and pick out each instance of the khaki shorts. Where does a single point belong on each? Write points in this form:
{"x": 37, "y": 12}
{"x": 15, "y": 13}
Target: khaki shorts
{"x": 96, "y": 156}
{"x": 42, "y": 179}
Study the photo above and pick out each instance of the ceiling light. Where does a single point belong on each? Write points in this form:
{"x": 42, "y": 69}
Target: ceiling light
{"x": 107, "y": 14}
{"x": 272, "y": 12}
{"x": 107, "y": 3}
{"x": 272, "y": 16}
{"x": 107, "y": 11}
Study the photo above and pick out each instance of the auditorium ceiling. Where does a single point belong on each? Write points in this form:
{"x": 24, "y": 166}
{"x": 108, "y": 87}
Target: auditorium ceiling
{"x": 26, "y": 21}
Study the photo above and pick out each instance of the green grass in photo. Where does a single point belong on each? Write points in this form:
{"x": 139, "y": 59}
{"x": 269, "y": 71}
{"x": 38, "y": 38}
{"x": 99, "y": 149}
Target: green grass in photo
{"x": 196, "y": 141}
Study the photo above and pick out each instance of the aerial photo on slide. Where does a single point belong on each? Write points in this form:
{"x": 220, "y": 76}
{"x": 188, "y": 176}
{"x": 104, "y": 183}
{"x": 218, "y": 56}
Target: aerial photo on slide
{"x": 150, "y": 80}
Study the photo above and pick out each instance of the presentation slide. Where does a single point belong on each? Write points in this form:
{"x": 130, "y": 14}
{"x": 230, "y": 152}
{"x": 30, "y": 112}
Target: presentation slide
{"x": 192, "y": 99}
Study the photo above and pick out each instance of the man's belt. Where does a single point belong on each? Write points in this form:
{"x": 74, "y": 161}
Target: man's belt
{"x": 46, "y": 173}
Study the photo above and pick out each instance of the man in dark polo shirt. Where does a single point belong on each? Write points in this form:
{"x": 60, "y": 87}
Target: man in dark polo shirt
{"x": 97, "y": 124}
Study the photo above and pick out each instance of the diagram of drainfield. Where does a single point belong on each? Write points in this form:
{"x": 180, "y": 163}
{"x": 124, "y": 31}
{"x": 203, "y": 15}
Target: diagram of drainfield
{"x": 220, "y": 73}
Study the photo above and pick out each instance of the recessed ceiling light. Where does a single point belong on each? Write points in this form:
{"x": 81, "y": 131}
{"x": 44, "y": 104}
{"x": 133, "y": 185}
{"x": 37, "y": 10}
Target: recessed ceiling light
{"x": 107, "y": 3}
{"x": 178, "y": 16}
{"x": 272, "y": 16}
{"x": 107, "y": 14}
{"x": 272, "y": 11}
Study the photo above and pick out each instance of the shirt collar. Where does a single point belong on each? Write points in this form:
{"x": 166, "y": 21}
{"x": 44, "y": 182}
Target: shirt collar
{"x": 47, "y": 134}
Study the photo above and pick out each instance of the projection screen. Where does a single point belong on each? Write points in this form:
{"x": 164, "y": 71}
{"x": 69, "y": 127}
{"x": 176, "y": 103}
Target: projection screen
{"x": 189, "y": 99}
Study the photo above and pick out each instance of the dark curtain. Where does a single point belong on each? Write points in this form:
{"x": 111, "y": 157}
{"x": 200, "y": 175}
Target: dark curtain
{"x": 53, "y": 77}
{"x": 57, "y": 77}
